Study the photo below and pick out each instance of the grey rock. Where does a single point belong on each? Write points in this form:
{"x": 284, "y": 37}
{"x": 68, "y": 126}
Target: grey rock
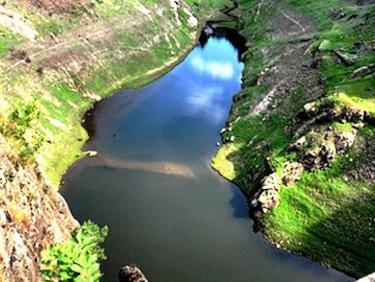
{"x": 131, "y": 274}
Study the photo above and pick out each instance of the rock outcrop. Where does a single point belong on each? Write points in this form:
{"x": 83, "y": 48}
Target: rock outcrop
{"x": 131, "y": 274}
{"x": 315, "y": 150}
{"x": 292, "y": 172}
{"x": 363, "y": 71}
{"x": 83, "y": 44}
{"x": 32, "y": 216}
{"x": 267, "y": 197}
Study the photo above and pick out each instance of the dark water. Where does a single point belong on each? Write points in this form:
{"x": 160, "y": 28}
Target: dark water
{"x": 152, "y": 184}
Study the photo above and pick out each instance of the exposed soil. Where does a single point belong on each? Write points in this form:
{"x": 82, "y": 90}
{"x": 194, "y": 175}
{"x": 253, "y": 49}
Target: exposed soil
{"x": 60, "y": 52}
{"x": 364, "y": 169}
{"x": 16, "y": 23}
{"x": 293, "y": 64}
{"x": 57, "y": 5}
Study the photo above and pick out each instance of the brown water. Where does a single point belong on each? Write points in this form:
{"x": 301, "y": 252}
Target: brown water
{"x": 152, "y": 184}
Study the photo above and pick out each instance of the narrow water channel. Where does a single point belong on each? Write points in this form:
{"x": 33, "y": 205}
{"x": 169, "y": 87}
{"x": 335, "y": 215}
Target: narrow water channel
{"x": 152, "y": 184}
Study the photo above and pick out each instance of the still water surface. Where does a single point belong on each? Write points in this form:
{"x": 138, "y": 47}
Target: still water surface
{"x": 151, "y": 183}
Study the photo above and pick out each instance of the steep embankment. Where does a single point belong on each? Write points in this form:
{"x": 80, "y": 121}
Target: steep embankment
{"x": 80, "y": 55}
{"x": 57, "y": 58}
{"x": 300, "y": 139}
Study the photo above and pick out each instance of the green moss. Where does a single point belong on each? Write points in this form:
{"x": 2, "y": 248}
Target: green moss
{"x": 328, "y": 218}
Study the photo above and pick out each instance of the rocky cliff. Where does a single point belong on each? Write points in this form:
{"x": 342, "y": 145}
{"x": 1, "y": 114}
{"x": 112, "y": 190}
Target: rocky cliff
{"x": 32, "y": 216}
{"x": 57, "y": 58}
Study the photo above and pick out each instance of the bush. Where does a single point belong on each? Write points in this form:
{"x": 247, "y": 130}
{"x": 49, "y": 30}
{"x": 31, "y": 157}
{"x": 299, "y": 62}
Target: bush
{"x": 76, "y": 260}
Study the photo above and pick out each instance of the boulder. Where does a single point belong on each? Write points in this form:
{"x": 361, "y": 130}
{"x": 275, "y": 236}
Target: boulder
{"x": 363, "y": 71}
{"x": 352, "y": 115}
{"x": 369, "y": 118}
{"x": 345, "y": 140}
{"x": 338, "y": 14}
{"x": 298, "y": 145}
{"x": 369, "y": 278}
{"x": 271, "y": 182}
{"x": 292, "y": 172}
{"x": 267, "y": 197}
{"x": 310, "y": 160}
{"x": 91, "y": 154}
{"x": 131, "y": 274}
{"x": 345, "y": 59}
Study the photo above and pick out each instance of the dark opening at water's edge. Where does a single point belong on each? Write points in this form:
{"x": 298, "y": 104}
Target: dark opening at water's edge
{"x": 168, "y": 212}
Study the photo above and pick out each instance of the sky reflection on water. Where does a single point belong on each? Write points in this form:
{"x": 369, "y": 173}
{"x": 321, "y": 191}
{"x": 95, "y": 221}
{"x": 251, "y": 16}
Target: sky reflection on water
{"x": 166, "y": 209}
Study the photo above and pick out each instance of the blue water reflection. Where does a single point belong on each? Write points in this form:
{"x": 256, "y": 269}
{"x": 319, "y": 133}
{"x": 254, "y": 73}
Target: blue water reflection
{"x": 151, "y": 182}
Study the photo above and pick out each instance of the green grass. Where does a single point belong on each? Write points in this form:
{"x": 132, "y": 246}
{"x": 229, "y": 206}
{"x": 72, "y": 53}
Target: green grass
{"x": 322, "y": 216}
{"x": 328, "y": 218}
{"x": 130, "y": 72}
{"x": 8, "y": 40}
{"x": 112, "y": 8}
{"x": 60, "y": 99}
{"x": 60, "y": 96}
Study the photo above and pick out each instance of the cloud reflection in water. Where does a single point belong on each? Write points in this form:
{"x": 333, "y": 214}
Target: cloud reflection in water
{"x": 216, "y": 69}
{"x": 213, "y": 74}
{"x": 207, "y": 103}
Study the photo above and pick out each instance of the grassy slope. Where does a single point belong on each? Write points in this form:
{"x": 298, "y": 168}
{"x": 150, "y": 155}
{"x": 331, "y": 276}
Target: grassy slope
{"x": 41, "y": 114}
{"x": 323, "y": 216}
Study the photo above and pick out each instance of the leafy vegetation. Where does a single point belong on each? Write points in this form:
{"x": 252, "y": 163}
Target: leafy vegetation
{"x": 76, "y": 260}
{"x": 20, "y": 128}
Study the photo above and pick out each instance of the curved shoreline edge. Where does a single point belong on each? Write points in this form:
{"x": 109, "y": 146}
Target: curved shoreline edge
{"x": 49, "y": 80}
{"x": 46, "y": 87}
{"x": 294, "y": 142}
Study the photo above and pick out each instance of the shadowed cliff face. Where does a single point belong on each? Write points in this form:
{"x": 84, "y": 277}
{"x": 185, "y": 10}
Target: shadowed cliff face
{"x": 32, "y": 216}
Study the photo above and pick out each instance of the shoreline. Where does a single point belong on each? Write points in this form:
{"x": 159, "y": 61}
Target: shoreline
{"x": 286, "y": 75}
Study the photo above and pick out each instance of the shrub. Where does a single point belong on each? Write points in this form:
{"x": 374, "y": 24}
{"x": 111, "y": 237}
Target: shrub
{"x": 76, "y": 260}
